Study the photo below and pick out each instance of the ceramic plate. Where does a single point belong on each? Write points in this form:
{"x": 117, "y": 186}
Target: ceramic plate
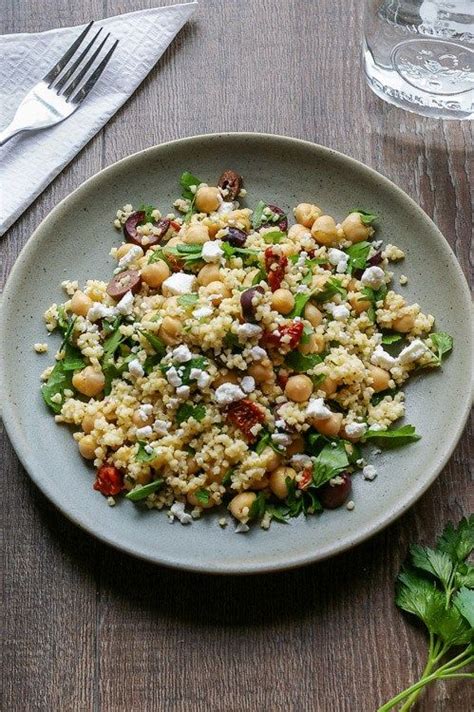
{"x": 74, "y": 241}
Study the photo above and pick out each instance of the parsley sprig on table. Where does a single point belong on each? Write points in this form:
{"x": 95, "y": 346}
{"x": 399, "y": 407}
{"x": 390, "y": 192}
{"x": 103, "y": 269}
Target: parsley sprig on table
{"x": 437, "y": 586}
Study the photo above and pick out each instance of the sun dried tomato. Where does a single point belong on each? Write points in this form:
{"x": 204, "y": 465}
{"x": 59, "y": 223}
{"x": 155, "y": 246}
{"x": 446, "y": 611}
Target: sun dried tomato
{"x": 282, "y": 379}
{"x": 109, "y": 480}
{"x": 306, "y": 478}
{"x": 278, "y": 338}
{"x": 275, "y": 265}
{"x": 245, "y": 414}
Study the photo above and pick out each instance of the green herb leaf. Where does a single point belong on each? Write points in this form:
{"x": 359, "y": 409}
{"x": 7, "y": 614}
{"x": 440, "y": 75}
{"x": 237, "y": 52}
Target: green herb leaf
{"x": 378, "y": 397}
{"x": 261, "y": 275}
{"x": 464, "y": 602}
{"x": 300, "y": 362}
{"x": 396, "y": 437}
{"x": 443, "y": 344}
{"x": 73, "y": 359}
{"x": 333, "y": 286}
{"x": 434, "y": 562}
{"x": 458, "y": 542}
{"x": 329, "y": 463}
{"x": 366, "y": 218}
{"x": 375, "y": 295}
{"x": 188, "y": 300}
{"x": 186, "y": 181}
{"x": 227, "y": 477}
{"x": 186, "y": 411}
{"x": 58, "y": 381}
{"x": 258, "y": 214}
{"x": 257, "y": 508}
{"x": 464, "y": 576}
{"x": 156, "y": 256}
{"x": 274, "y": 237}
{"x": 391, "y": 338}
{"x": 142, "y": 492}
{"x": 203, "y": 496}
{"x": 358, "y": 254}
{"x": 278, "y": 512}
{"x": 147, "y": 209}
{"x": 155, "y": 342}
{"x": 420, "y": 597}
{"x": 142, "y": 454}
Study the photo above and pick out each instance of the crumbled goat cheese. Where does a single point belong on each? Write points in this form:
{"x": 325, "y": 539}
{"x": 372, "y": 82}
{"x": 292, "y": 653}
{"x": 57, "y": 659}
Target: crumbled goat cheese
{"x": 40, "y": 348}
{"x": 247, "y": 384}
{"x": 339, "y": 311}
{"x": 161, "y": 427}
{"x": 144, "y": 432}
{"x": 204, "y": 379}
{"x": 403, "y": 279}
{"x": 412, "y": 352}
{"x": 377, "y": 427}
{"x": 202, "y": 312}
{"x": 339, "y": 259}
{"x": 280, "y": 424}
{"x": 125, "y": 305}
{"x": 173, "y": 377}
{"x": 369, "y": 472}
{"x": 228, "y": 393}
{"x": 135, "y": 368}
{"x": 256, "y": 353}
{"x": 181, "y": 354}
{"x": 179, "y": 283}
{"x": 183, "y": 392}
{"x": 241, "y": 528}
{"x": 100, "y": 311}
{"x": 355, "y": 430}
{"x": 302, "y": 289}
{"x": 316, "y": 409}
{"x": 144, "y": 411}
{"x": 301, "y": 461}
{"x": 350, "y": 505}
{"x": 226, "y": 207}
{"x": 373, "y": 277}
{"x": 177, "y": 510}
{"x": 248, "y": 331}
{"x": 134, "y": 253}
{"x": 281, "y": 439}
{"x": 195, "y": 373}
{"x": 383, "y": 359}
{"x": 211, "y": 251}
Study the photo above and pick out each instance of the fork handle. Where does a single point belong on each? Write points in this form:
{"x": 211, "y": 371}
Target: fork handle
{"x": 10, "y": 131}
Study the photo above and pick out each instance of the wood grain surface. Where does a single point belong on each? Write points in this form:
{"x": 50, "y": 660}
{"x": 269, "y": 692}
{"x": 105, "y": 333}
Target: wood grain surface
{"x": 89, "y": 629}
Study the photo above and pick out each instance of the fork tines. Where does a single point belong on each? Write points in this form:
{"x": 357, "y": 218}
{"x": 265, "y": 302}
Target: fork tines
{"x": 68, "y": 76}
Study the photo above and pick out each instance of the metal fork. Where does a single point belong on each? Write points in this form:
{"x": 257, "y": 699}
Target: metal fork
{"x": 63, "y": 89}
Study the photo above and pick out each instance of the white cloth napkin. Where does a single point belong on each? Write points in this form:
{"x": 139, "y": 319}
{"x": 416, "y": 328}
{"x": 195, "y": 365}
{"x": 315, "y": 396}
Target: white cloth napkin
{"x": 30, "y": 160}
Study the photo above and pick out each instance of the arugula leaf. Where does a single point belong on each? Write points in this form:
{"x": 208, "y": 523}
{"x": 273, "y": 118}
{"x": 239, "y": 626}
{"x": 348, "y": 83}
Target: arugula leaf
{"x": 186, "y": 411}
{"x": 274, "y": 237}
{"x": 300, "y": 362}
{"x": 203, "y": 496}
{"x": 332, "y": 287}
{"x": 443, "y": 344}
{"x": 434, "y": 562}
{"x": 366, "y": 217}
{"x": 58, "y": 381}
{"x": 358, "y": 254}
{"x": 231, "y": 251}
{"x": 464, "y": 602}
{"x": 142, "y": 454}
{"x": 458, "y": 542}
{"x": 188, "y": 300}
{"x": 391, "y": 338}
{"x": 112, "y": 343}
{"x": 155, "y": 342}
{"x": 142, "y": 492}
{"x": 396, "y": 437}
{"x": 329, "y": 463}
{"x": 257, "y": 215}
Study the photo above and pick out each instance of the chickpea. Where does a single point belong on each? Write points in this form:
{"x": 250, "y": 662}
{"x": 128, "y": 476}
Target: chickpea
{"x": 89, "y": 382}
{"x": 306, "y": 214}
{"x": 298, "y": 233}
{"x": 324, "y": 231}
{"x": 229, "y": 377}
{"x": 261, "y": 484}
{"x": 329, "y": 426}
{"x": 87, "y": 446}
{"x": 143, "y": 478}
{"x": 240, "y": 505}
{"x": 196, "y": 234}
{"x": 209, "y": 273}
{"x": 278, "y": 481}
{"x": 312, "y": 314}
{"x": 172, "y": 242}
{"x": 359, "y": 303}
{"x": 328, "y": 386}
{"x": 80, "y": 303}
{"x": 88, "y": 423}
{"x": 170, "y": 330}
{"x": 139, "y": 421}
{"x": 208, "y": 199}
{"x": 380, "y": 378}
{"x": 296, "y": 447}
{"x": 404, "y": 323}
{"x": 155, "y": 274}
{"x": 289, "y": 249}
{"x": 299, "y": 388}
{"x": 213, "y": 229}
{"x": 271, "y": 458}
{"x": 192, "y": 499}
{"x": 217, "y": 291}
{"x": 283, "y": 301}
{"x": 125, "y": 248}
{"x": 354, "y": 228}
{"x": 262, "y": 371}
{"x": 315, "y": 345}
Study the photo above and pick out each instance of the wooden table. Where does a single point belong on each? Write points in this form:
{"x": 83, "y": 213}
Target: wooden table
{"x": 89, "y": 629}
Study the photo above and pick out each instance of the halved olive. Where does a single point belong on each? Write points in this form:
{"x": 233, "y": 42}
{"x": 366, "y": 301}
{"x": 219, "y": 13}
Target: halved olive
{"x": 127, "y": 281}
{"x": 231, "y": 182}
{"x": 334, "y": 496}
{"x": 235, "y": 237}
{"x": 283, "y": 223}
{"x": 248, "y": 309}
{"x": 138, "y": 218}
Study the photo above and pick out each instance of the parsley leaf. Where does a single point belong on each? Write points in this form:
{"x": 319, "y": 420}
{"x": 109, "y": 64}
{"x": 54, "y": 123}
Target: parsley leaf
{"x": 187, "y": 181}
{"x": 274, "y": 237}
{"x": 155, "y": 342}
{"x": 464, "y": 602}
{"x": 202, "y": 496}
{"x": 148, "y": 210}
{"x": 300, "y": 362}
{"x": 257, "y": 215}
{"x": 391, "y": 338}
{"x": 443, "y": 344}
{"x": 186, "y": 411}
{"x": 434, "y": 562}
{"x": 366, "y": 218}
{"x": 358, "y": 254}
{"x": 458, "y": 543}
{"x": 58, "y": 381}
{"x": 188, "y": 300}
{"x": 397, "y": 437}
{"x": 257, "y": 508}
{"x": 329, "y": 463}
{"x": 142, "y": 492}
{"x": 142, "y": 454}
{"x": 332, "y": 287}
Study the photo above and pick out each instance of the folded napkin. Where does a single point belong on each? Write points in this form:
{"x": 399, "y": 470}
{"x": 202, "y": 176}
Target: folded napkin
{"x": 30, "y": 160}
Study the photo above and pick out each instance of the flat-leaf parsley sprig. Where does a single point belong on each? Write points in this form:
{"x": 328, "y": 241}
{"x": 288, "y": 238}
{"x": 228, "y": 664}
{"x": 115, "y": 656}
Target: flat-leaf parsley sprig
{"x": 437, "y": 586}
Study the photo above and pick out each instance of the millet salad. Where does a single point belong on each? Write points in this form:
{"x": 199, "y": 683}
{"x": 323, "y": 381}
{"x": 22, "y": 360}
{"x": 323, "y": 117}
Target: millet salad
{"x": 232, "y": 359}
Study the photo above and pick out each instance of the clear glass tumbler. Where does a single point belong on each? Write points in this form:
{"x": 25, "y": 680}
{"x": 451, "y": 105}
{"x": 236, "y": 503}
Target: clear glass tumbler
{"x": 419, "y": 55}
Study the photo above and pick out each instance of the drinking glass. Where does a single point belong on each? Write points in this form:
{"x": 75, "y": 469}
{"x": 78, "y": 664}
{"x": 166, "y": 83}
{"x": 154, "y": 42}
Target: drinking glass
{"x": 419, "y": 55}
